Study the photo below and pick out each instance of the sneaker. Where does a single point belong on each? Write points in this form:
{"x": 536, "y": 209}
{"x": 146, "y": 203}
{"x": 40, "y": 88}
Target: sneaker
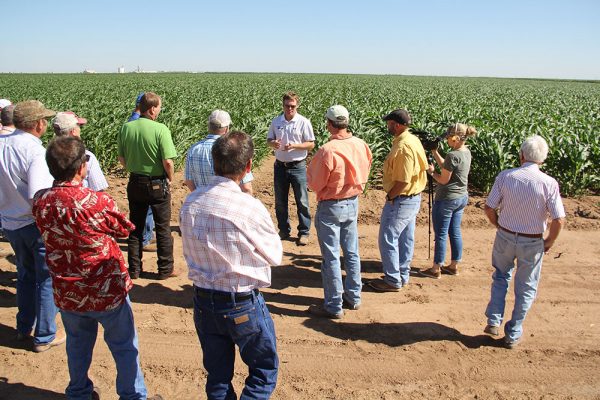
{"x": 430, "y": 273}
{"x": 320, "y": 311}
{"x": 349, "y": 305}
{"x": 59, "y": 339}
{"x": 302, "y": 240}
{"x": 492, "y": 330}
{"x": 379, "y": 285}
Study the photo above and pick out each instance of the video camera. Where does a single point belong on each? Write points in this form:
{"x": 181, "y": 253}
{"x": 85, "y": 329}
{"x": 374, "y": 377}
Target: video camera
{"x": 429, "y": 140}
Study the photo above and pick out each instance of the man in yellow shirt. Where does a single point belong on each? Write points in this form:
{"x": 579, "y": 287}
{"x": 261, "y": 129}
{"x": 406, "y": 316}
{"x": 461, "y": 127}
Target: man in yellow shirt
{"x": 404, "y": 178}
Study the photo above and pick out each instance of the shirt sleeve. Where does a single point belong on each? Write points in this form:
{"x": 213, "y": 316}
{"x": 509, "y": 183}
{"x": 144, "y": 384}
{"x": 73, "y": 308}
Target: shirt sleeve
{"x": 166, "y": 144}
{"x": 248, "y": 178}
{"x": 495, "y": 195}
{"x": 271, "y": 134}
{"x": 450, "y": 162}
{"x": 114, "y": 222}
{"x": 266, "y": 240}
{"x": 308, "y": 135}
{"x": 38, "y": 175}
{"x": 318, "y": 171}
{"x": 187, "y": 175}
{"x": 554, "y": 203}
{"x": 96, "y": 179}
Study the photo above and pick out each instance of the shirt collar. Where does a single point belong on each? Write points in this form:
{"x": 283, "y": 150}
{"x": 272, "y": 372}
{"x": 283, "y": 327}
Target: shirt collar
{"x": 226, "y": 183}
{"x": 528, "y": 164}
{"x": 73, "y": 183}
{"x": 212, "y": 136}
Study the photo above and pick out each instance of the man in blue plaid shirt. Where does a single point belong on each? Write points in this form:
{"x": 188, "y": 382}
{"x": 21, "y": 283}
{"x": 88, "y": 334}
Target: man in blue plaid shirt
{"x": 199, "y": 163}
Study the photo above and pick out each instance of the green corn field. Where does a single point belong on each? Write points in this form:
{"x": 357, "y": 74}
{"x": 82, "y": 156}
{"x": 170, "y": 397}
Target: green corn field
{"x": 504, "y": 111}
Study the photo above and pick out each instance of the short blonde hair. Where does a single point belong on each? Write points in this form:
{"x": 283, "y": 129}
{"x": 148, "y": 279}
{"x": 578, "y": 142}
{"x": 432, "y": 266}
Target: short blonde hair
{"x": 463, "y": 131}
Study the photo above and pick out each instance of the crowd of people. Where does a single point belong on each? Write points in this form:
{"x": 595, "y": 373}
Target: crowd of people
{"x": 63, "y": 228}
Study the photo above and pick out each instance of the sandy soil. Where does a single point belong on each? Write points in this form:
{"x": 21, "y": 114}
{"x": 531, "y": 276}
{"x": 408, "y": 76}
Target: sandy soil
{"x": 424, "y": 342}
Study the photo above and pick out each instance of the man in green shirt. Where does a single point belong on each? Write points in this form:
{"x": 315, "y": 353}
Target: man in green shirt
{"x": 146, "y": 150}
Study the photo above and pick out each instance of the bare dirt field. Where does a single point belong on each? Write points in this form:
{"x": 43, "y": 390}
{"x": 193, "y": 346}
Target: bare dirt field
{"x": 424, "y": 342}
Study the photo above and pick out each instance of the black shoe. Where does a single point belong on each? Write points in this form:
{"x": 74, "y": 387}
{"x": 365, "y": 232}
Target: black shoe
{"x": 284, "y": 236}
{"x": 162, "y": 277}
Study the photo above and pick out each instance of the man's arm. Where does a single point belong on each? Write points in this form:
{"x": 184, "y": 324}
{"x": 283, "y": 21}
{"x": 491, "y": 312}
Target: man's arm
{"x": 555, "y": 228}
{"x": 300, "y": 146}
{"x": 190, "y": 185}
{"x": 169, "y": 169}
{"x": 122, "y": 161}
{"x": 397, "y": 189}
{"x": 491, "y": 214}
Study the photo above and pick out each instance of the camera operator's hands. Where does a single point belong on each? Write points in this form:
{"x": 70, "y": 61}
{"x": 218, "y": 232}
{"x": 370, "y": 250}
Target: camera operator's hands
{"x": 431, "y": 169}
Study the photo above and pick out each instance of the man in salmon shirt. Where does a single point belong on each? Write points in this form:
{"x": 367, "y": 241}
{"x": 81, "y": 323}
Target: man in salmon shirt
{"x": 338, "y": 173}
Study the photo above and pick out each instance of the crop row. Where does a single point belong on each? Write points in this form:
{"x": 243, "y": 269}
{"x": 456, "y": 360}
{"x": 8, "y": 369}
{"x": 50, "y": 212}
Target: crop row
{"x": 504, "y": 111}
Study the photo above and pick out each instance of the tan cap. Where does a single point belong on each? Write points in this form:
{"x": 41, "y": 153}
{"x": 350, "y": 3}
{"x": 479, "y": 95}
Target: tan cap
{"x": 219, "y": 118}
{"x": 337, "y": 113}
{"x": 31, "y": 110}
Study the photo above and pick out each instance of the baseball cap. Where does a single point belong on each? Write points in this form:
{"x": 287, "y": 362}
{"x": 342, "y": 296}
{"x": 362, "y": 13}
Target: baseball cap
{"x": 219, "y": 118}
{"x": 4, "y": 103}
{"x": 67, "y": 120}
{"x": 337, "y": 113}
{"x": 139, "y": 98}
{"x": 31, "y": 110}
{"x": 400, "y": 116}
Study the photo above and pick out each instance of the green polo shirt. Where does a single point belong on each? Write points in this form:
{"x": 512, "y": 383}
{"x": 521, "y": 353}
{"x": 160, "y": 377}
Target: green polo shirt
{"x": 144, "y": 144}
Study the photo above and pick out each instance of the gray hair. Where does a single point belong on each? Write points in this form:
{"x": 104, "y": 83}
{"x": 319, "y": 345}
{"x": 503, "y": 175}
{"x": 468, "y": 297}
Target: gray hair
{"x": 338, "y": 124}
{"x": 231, "y": 152}
{"x": 6, "y": 116}
{"x": 534, "y": 149}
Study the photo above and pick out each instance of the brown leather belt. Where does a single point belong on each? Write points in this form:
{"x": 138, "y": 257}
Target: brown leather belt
{"x": 527, "y": 235}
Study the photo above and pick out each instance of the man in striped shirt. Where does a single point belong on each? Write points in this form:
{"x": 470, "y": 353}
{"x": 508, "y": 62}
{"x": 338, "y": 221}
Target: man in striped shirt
{"x": 525, "y": 197}
{"x": 229, "y": 244}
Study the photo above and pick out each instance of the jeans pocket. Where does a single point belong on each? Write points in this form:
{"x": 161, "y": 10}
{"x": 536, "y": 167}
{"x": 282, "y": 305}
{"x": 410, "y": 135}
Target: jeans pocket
{"x": 158, "y": 189}
{"x": 242, "y": 323}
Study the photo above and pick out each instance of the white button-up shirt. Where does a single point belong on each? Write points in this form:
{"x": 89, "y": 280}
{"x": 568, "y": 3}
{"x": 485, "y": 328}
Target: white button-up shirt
{"x": 525, "y": 197}
{"x": 23, "y": 171}
{"x": 297, "y": 130}
{"x": 94, "y": 179}
{"x": 229, "y": 240}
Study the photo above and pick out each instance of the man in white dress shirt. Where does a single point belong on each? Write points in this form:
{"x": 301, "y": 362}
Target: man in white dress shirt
{"x": 525, "y": 197}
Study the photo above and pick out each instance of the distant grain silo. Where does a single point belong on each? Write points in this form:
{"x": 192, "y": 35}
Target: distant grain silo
{"x": 121, "y": 70}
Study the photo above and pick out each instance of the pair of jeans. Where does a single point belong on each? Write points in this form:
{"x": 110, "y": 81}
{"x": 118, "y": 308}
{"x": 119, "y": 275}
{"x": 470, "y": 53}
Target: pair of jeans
{"x": 35, "y": 301}
{"x": 122, "y": 340}
{"x": 144, "y": 192}
{"x": 528, "y": 253}
{"x": 223, "y": 324}
{"x": 447, "y": 217}
{"x": 284, "y": 177}
{"x": 148, "y": 228}
{"x": 336, "y": 223}
{"x": 397, "y": 238}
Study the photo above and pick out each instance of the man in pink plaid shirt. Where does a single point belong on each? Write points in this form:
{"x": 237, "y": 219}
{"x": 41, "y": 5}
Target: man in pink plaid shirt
{"x": 229, "y": 244}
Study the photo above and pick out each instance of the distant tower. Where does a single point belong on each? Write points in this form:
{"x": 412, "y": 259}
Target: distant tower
{"x": 121, "y": 70}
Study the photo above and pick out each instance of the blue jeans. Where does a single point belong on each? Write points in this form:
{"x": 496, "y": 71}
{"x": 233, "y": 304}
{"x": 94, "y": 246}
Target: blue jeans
{"x": 528, "y": 252}
{"x": 397, "y": 238}
{"x": 35, "y": 299}
{"x": 148, "y": 228}
{"x": 296, "y": 177}
{"x": 336, "y": 224}
{"x": 447, "y": 217}
{"x": 221, "y": 325}
{"x": 122, "y": 340}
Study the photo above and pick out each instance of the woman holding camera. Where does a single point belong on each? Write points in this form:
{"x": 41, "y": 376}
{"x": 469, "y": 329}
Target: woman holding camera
{"x": 451, "y": 198}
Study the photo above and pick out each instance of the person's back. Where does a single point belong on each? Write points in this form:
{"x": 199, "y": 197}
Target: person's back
{"x": 142, "y": 141}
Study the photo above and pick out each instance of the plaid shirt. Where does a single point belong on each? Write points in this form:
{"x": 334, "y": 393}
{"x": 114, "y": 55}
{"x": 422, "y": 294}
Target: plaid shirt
{"x": 199, "y": 163}
{"x": 79, "y": 227}
{"x": 94, "y": 179}
{"x": 229, "y": 241}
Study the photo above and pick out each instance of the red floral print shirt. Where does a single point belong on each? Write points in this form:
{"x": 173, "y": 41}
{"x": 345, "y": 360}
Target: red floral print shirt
{"x": 79, "y": 227}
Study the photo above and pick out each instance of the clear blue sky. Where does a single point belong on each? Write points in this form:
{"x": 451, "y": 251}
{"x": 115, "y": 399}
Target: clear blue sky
{"x": 512, "y": 38}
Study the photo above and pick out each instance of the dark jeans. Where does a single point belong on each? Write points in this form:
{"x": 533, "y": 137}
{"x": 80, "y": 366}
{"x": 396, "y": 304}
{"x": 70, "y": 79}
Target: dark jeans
{"x": 144, "y": 192}
{"x": 221, "y": 325}
{"x": 284, "y": 176}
